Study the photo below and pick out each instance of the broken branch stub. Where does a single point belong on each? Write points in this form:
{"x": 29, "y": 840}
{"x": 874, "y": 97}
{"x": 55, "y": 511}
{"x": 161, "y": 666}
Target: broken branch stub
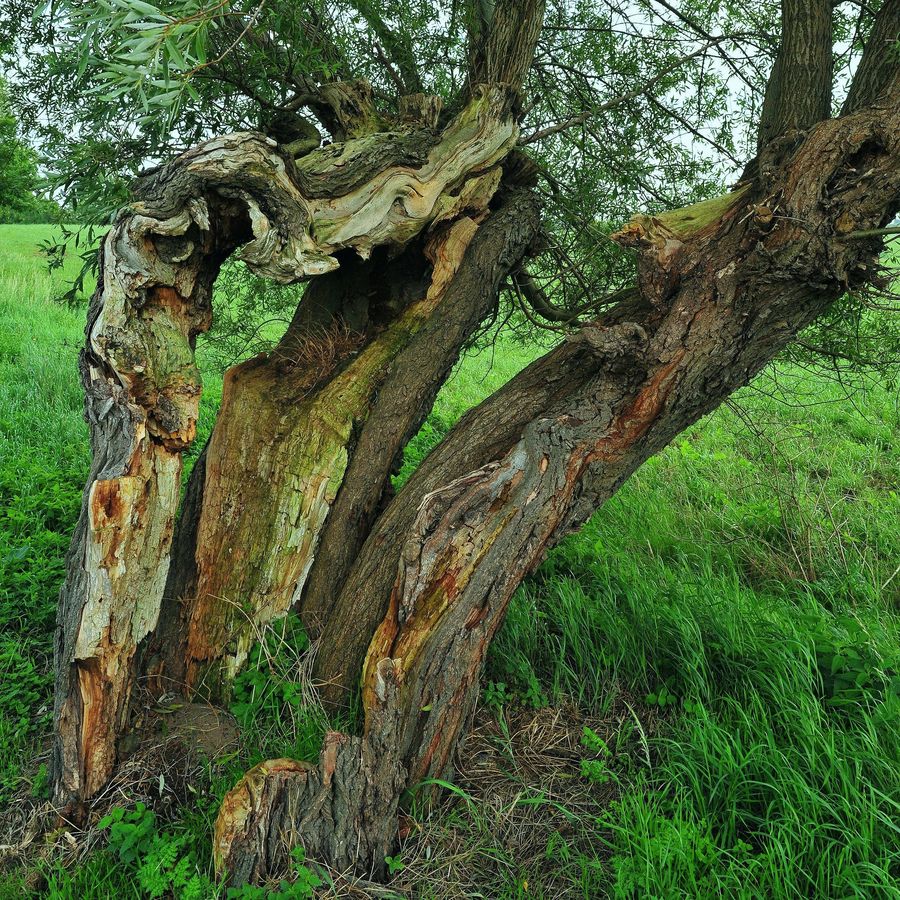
{"x": 343, "y": 810}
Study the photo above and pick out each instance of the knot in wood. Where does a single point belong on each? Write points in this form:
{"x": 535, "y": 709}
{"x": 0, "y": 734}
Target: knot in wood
{"x": 622, "y": 343}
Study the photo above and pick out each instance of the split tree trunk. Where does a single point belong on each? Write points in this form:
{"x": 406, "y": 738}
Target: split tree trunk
{"x": 305, "y": 444}
{"x": 281, "y": 447}
{"x": 290, "y": 504}
{"x": 724, "y": 286}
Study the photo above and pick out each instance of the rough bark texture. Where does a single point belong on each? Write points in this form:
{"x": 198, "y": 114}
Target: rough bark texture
{"x": 300, "y": 459}
{"x": 508, "y": 37}
{"x": 407, "y": 394}
{"x": 482, "y": 435}
{"x": 720, "y": 299}
{"x": 799, "y": 90}
{"x": 344, "y": 810}
{"x": 411, "y": 233}
{"x": 259, "y": 499}
{"x": 142, "y": 393}
{"x": 879, "y": 59}
{"x": 142, "y": 386}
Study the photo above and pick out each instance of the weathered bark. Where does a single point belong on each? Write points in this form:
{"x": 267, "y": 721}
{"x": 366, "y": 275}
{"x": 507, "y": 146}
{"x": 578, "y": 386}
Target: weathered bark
{"x": 407, "y": 394}
{"x": 299, "y": 461}
{"x": 381, "y": 184}
{"x": 507, "y": 38}
{"x": 289, "y": 503}
{"x": 799, "y": 90}
{"x": 720, "y": 299}
{"x": 142, "y": 386}
{"x": 482, "y": 435}
{"x": 502, "y": 37}
{"x": 142, "y": 393}
{"x": 344, "y": 810}
{"x": 879, "y": 59}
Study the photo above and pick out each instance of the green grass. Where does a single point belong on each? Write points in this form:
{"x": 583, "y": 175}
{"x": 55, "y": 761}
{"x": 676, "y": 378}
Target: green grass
{"x": 43, "y": 461}
{"x": 742, "y": 589}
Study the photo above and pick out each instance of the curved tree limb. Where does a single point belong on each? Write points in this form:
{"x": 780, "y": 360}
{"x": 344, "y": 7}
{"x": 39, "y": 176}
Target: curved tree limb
{"x": 142, "y": 385}
{"x": 667, "y": 253}
{"x": 879, "y": 60}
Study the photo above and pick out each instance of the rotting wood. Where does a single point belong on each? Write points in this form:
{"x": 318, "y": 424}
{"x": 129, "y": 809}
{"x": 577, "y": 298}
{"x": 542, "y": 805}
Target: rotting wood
{"x": 142, "y": 385}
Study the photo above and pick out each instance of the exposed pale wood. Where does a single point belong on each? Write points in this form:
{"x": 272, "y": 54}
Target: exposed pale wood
{"x": 424, "y": 579}
{"x": 142, "y": 394}
{"x": 408, "y": 390}
{"x": 273, "y": 470}
{"x": 487, "y": 433}
{"x": 143, "y": 387}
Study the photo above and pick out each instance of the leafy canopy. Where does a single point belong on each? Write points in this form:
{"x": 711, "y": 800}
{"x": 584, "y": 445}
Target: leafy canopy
{"x": 629, "y": 105}
{"x": 19, "y": 179}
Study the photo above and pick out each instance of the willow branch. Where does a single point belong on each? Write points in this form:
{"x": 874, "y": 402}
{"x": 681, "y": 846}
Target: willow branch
{"x": 880, "y": 59}
{"x": 798, "y": 94}
{"x": 645, "y": 88}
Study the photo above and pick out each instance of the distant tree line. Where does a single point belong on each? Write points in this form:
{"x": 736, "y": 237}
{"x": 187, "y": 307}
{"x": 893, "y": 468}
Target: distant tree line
{"x": 20, "y": 181}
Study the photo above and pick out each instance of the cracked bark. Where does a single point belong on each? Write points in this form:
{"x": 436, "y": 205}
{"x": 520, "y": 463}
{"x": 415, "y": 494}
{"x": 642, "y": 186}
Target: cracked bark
{"x": 719, "y": 299}
{"x": 799, "y": 90}
{"x": 295, "y": 472}
{"x": 289, "y": 502}
{"x": 142, "y": 387}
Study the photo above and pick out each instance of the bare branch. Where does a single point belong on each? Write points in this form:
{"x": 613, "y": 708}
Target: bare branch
{"x": 880, "y": 59}
{"x": 388, "y": 66}
{"x": 694, "y": 130}
{"x": 537, "y": 299}
{"x": 695, "y": 26}
{"x": 799, "y": 91}
{"x": 645, "y": 88}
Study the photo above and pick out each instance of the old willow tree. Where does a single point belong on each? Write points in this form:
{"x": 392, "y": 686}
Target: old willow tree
{"x": 465, "y": 154}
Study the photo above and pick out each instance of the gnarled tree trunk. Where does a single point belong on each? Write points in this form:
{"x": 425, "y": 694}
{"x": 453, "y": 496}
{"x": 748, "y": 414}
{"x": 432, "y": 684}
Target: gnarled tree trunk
{"x": 283, "y": 440}
{"x": 408, "y": 233}
{"x": 534, "y": 461}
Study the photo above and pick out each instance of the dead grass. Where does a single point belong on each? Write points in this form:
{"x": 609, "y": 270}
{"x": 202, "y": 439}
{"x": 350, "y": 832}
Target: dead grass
{"x": 162, "y": 764}
{"x": 519, "y": 807}
{"x": 318, "y": 351}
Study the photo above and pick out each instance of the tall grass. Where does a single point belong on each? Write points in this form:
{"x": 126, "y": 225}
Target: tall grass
{"x": 742, "y": 587}
{"x": 43, "y": 462}
{"x": 748, "y": 588}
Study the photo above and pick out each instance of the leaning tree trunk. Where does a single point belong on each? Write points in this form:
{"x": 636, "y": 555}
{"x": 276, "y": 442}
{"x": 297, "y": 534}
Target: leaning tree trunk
{"x": 407, "y": 231}
{"x": 723, "y": 287}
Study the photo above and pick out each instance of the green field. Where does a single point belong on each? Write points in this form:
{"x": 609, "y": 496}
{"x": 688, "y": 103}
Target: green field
{"x": 697, "y": 696}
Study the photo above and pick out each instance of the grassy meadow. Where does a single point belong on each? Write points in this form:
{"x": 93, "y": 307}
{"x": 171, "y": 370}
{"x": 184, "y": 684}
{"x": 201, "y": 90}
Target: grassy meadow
{"x": 697, "y": 696}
